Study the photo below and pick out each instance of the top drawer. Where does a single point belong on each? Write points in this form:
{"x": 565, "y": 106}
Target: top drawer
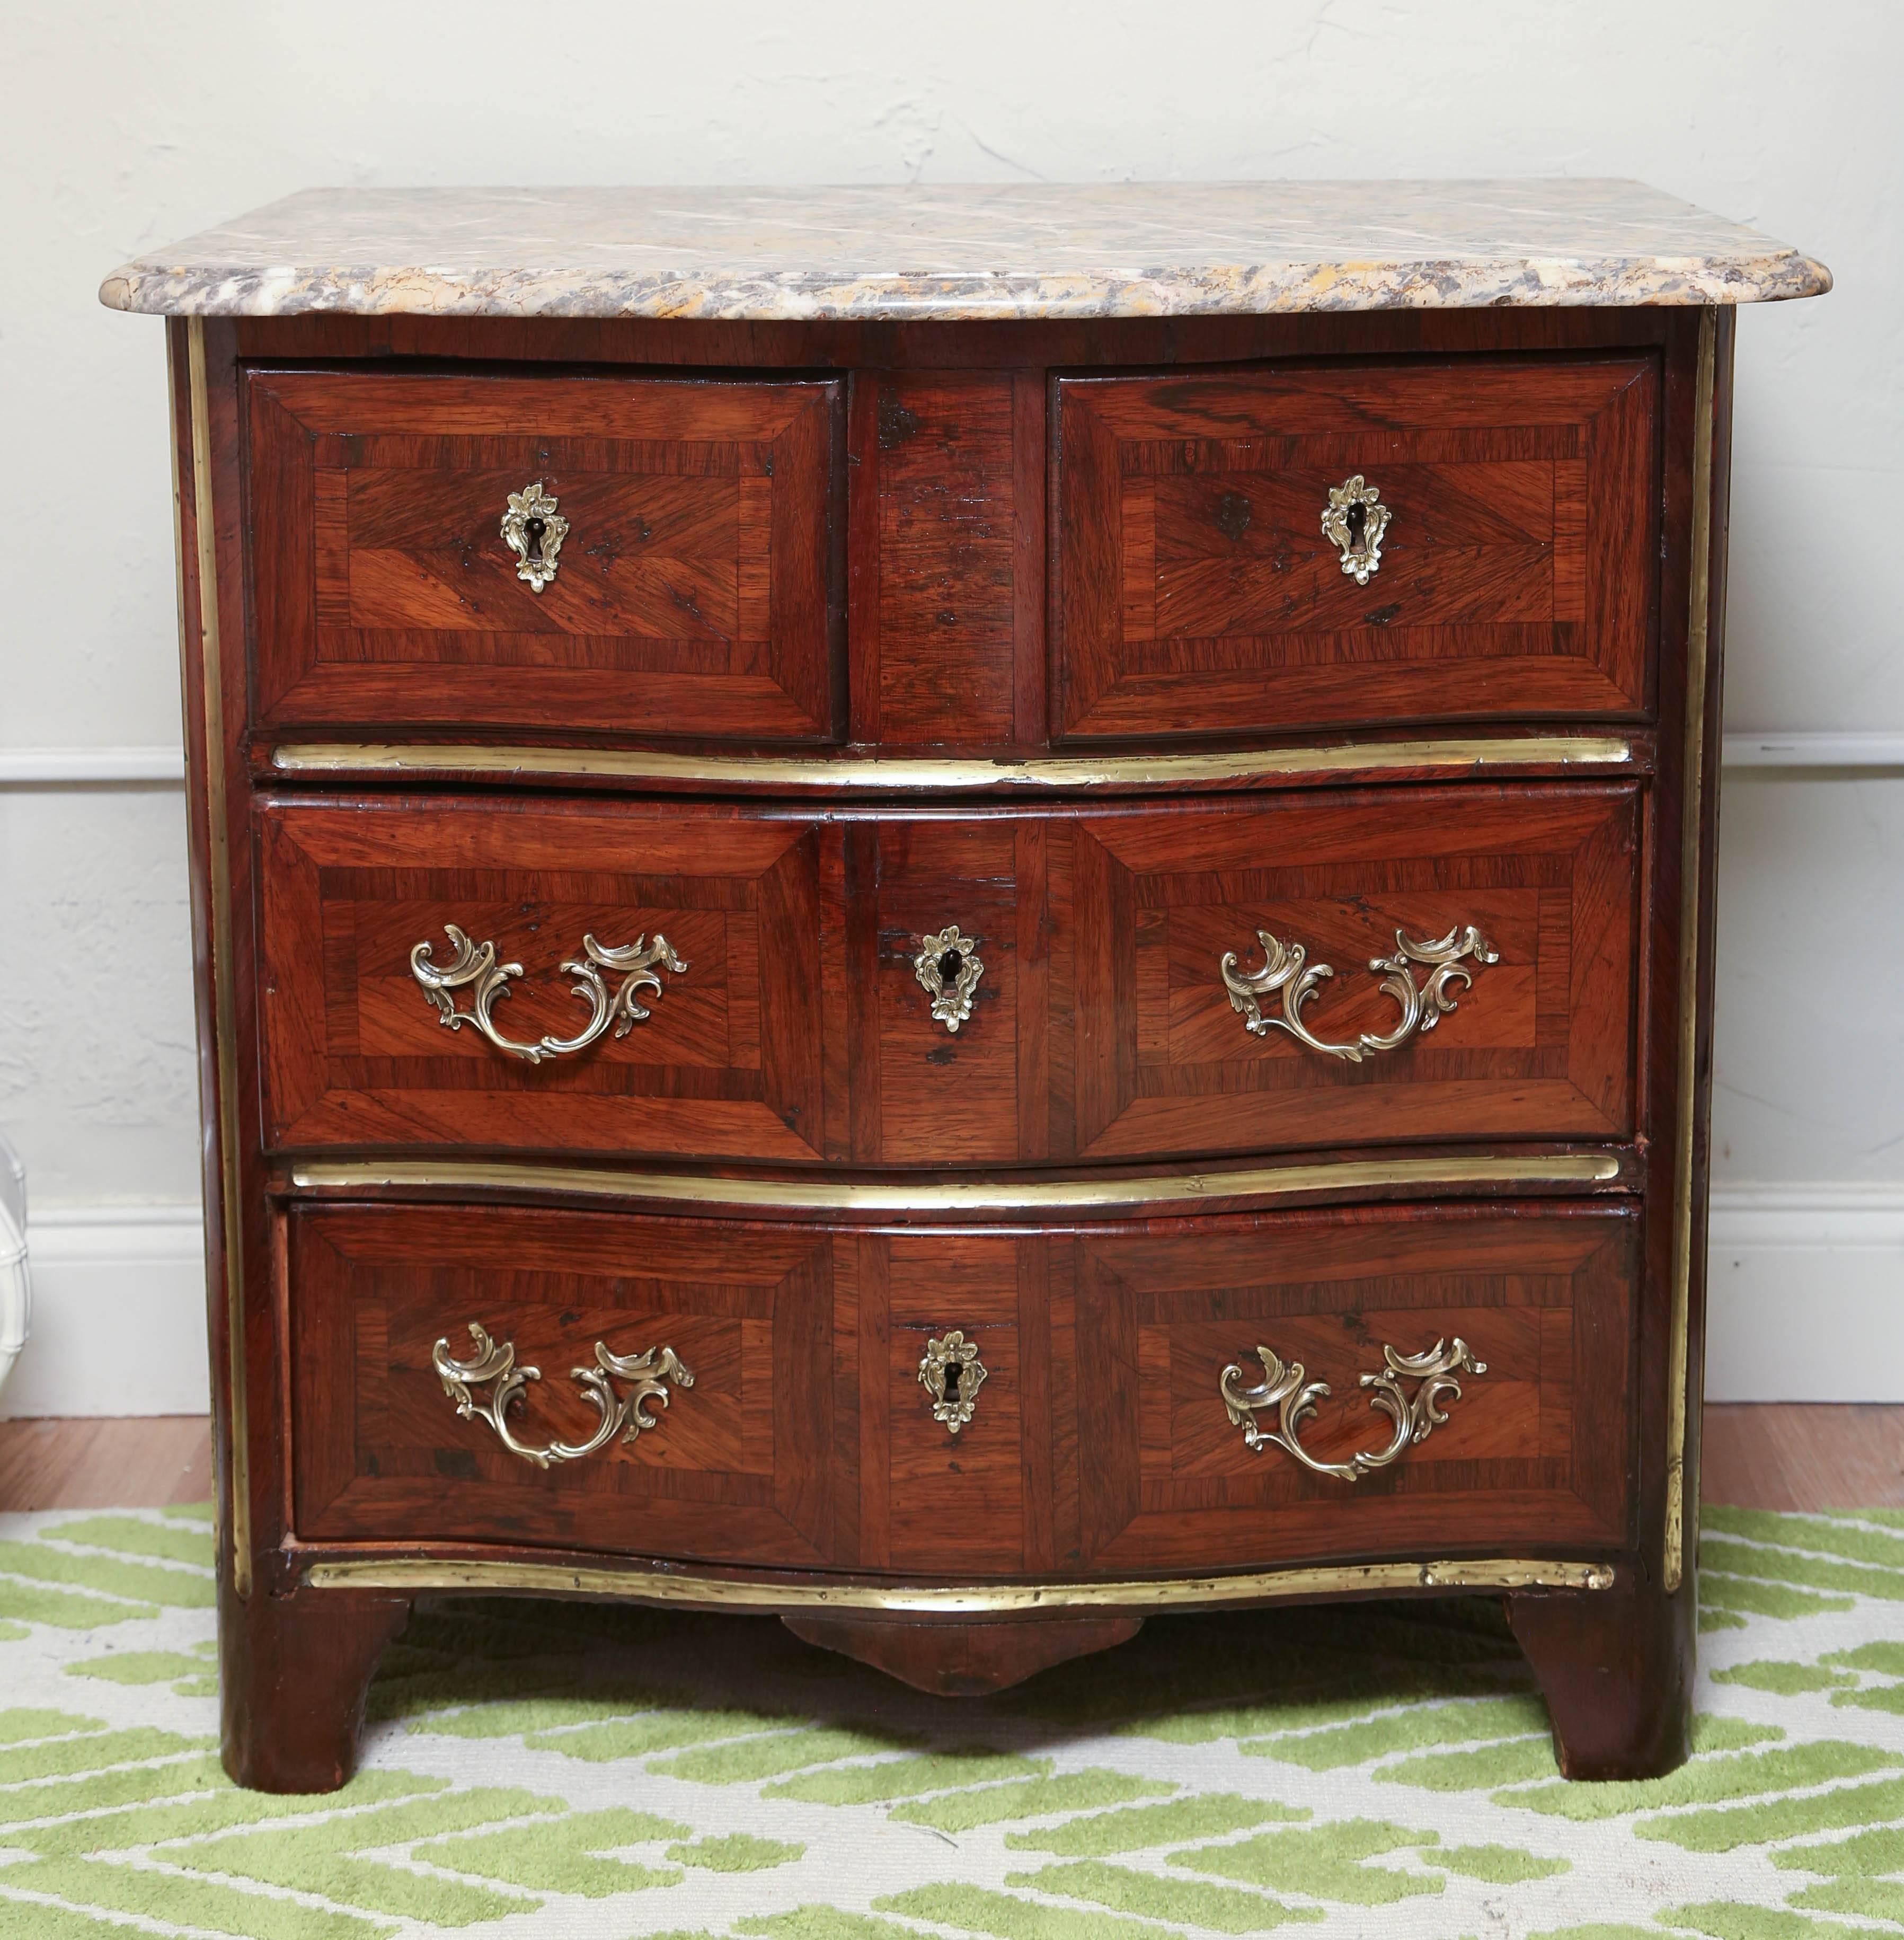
{"x": 1198, "y": 593}
{"x": 696, "y": 585}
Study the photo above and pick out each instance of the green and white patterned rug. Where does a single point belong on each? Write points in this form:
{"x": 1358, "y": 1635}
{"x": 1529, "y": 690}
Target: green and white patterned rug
{"x": 538, "y": 1770}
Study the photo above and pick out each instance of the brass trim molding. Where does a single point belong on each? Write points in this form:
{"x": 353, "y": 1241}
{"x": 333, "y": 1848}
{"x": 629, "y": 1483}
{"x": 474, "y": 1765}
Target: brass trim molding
{"x": 1039, "y": 1196}
{"x": 1691, "y": 818}
{"x": 662, "y": 1583}
{"x": 850, "y": 774}
{"x": 224, "y": 1001}
{"x": 1412, "y": 1418}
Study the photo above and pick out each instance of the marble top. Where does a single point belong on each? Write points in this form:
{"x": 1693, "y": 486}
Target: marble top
{"x": 1019, "y": 250}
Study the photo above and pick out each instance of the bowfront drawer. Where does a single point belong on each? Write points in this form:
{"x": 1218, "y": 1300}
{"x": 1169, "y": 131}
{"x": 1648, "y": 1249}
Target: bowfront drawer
{"x": 1347, "y": 544}
{"x": 1115, "y": 1398}
{"x": 1399, "y": 964}
{"x": 499, "y": 975}
{"x": 612, "y": 553}
{"x": 683, "y": 982}
{"x": 697, "y": 1420}
{"x": 1475, "y": 1369}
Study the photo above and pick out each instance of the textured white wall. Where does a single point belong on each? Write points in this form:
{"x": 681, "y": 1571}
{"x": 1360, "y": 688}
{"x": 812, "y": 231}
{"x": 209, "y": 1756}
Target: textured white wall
{"x": 122, "y": 125}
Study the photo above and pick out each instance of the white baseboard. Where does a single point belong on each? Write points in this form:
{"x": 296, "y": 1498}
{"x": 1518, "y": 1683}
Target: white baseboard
{"x": 118, "y": 1313}
{"x": 1806, "y": 1303}
{"x": 82, "y": 767}
{"x": 1805, "y": 1293}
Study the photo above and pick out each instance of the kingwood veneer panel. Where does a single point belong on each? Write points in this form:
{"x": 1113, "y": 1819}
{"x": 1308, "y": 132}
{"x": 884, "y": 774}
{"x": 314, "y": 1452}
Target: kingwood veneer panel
{"x": 1197, "y": 592}
{"x": 727, "y": 1064}
{"x": 698, "y": 591}
{"x": 739, "y": 1464}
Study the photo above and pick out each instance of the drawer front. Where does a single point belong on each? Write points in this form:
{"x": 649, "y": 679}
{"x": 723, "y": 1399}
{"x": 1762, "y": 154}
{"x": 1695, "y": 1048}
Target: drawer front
{"x": 359, "y": 980}
{"x": 1198, "y": 592}
{"x": 735, "y": 1328}
{"x": 696, "y": 589}
{"x": 1170, "y": 982}
{"x": 1536, "y": 1452}
{"x": 751, "y": 1393}
{"x": 1181, "y": 957}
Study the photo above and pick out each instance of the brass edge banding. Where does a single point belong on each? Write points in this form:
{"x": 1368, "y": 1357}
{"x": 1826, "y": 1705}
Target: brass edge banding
{"x": 666, "y": 1585}
{"x": 832, "y": 1195}
{"x": 880, "y": 776}
{"x": 1692, "y": 820}
{"x": 224, "y": 1005}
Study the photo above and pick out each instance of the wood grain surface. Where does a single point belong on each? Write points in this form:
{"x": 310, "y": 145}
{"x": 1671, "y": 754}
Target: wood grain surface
{"x": 1133, "y": 1333}
{"x": 697, "y": 591}
{"x": 1101, "y": 1029}
{"x": 1198, "y": 594}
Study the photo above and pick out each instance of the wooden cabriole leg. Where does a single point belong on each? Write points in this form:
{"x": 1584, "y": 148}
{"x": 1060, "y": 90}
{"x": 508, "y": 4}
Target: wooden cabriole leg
{"x": 1616, "y": 1668}
{"x": 294, "y": 1672}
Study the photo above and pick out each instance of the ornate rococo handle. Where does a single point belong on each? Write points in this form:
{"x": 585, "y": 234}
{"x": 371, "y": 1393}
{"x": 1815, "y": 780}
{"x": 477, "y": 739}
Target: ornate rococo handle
{"x": 1286, "y": 970}
{"x": 1284, "y": 1389}
{"x": 649, "y": 1373}
{"x": 474, "y": 966}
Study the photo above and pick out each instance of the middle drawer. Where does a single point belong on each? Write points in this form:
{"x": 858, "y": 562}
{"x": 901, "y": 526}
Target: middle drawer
{"x": 933, "y": 991}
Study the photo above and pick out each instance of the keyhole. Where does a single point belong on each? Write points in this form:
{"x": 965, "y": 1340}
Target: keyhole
{"x": 950, "y": 966}
{"x": 953, "y": 1370}
{"x": 1358, "y": 523}
{"x": 532, "y": 531}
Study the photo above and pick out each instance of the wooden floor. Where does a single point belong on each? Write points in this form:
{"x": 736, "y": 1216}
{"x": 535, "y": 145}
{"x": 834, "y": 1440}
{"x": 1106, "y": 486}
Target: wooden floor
{"x": 1770, "y": 1456}
{"x": 144, "y": 1462}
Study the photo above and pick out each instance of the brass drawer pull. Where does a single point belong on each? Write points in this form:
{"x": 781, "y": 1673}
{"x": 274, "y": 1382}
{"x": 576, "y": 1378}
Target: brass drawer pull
{"x": 948, "y": 970}
{"x": 1286, "y": 968}
{"x": 649, "y": 1373}
{"x": 533, "y": 530}
{"x": 1294, "y": 1400}
{"x": 1354, "y": 520}
{"x": 951, "y": 1372}
{"x": 474, "y": 966}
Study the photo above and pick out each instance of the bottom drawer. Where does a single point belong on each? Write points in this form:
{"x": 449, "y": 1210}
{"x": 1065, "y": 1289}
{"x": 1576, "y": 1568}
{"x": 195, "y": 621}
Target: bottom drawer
{"x": 1114, "y": 1399}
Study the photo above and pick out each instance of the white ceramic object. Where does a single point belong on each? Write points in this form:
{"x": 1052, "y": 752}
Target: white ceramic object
{"x": 16, "y": 1288}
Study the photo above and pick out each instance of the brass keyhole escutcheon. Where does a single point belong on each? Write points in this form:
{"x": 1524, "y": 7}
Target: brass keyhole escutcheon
{"x": 1353, "y": 521}
{"x": 533, "y": 530}
{"x": 948, "y": 970}
{"x": 951, "y": 1374}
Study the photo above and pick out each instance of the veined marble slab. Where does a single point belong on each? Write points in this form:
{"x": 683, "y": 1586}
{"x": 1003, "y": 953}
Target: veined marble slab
{"x": 1019, "y": 250}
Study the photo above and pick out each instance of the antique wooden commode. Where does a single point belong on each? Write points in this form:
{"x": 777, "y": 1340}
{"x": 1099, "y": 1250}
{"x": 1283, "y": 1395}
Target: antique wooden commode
{"x": 1094, "y": 810}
